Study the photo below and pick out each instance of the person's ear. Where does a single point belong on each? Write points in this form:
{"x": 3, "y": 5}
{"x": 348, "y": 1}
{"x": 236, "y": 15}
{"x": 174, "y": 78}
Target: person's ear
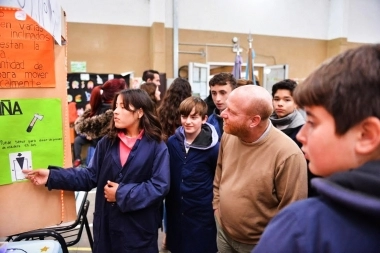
{"x": 140, "y": 113}
{"x": 205, "y": 119}
{"x": 369, "y": 136}
{"x": 254, "y": 121}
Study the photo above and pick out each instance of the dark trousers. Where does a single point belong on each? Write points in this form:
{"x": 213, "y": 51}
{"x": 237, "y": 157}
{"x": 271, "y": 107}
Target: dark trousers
{"x": 79, "y": 141}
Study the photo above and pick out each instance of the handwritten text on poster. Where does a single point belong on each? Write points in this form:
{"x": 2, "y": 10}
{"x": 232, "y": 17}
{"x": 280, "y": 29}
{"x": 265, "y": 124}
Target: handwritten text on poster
{"x": 26, "y": 52}
{"x": 47, "y": 13}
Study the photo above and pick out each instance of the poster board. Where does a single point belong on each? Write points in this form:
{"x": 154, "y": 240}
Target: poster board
{"x": 26, "y": 52}
{"x": 46, "y": 13}
{"x": 26, "y": 207}
{"x": 36, "y": 140}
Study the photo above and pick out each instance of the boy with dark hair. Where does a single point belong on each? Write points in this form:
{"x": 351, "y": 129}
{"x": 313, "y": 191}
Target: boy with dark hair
{"x": 286, "y": 117}
{"x": 341, "y": 140}
{"x": 221, "y": 86}
{"x": 151, "y": 76}
{"x": 193, "y": 153}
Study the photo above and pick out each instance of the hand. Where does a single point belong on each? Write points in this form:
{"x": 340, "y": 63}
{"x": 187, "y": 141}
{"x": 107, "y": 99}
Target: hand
{"x": 110, "y": 191}
{"x": 37, "y": 177}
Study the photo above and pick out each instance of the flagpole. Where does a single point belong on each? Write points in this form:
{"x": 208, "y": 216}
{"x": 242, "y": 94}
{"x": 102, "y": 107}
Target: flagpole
{"x": 249, "y": 63}
{"x": 249, "y": 73}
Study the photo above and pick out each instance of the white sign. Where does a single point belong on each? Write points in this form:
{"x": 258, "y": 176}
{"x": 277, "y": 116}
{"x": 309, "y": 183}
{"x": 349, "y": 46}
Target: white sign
{"x": 20, "y": 161}
{"x": 47, "y": 13}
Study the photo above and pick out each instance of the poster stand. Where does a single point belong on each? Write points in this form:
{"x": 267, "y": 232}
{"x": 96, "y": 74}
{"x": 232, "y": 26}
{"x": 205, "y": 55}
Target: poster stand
{"x": 25, "y": 207}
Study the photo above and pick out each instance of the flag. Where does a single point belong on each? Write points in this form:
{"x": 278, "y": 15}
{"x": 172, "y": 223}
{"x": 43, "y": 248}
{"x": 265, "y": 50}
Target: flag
{"x": 236, "y": 72}
{"x": 249, "y": 75}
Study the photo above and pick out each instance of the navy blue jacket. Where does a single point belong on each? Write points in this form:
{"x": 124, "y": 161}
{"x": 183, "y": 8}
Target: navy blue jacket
{"x": 217, "y": 122}
{"x": 344, "y": 218}
{"x": 131, "y": 223}
{"x": 190, "y": 216}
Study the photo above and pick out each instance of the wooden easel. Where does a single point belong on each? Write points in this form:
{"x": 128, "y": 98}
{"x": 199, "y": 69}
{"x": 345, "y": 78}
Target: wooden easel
{"x": 25, "y": 207}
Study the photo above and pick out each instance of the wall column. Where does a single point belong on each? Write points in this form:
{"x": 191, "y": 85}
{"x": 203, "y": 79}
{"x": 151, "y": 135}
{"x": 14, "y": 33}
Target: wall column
{"x": 157, "y": 47}
{"x": 336, "y": 46}
{"x": 338, "y": 27}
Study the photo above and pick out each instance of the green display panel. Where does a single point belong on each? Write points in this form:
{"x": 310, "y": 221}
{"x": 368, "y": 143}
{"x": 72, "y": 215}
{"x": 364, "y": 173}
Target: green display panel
{"x": 30, "y": 136}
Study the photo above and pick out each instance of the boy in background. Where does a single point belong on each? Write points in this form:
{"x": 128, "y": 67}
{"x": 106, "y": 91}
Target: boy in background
{"x": 341, "y": 140}
{"x": 151, "y": 76}
{"x": 288, "y": 118}
{"x": 193, "y": 153}
{"x": 221, "y": 86}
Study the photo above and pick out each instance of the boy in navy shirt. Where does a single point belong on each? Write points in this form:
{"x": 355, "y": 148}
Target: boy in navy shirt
{"x": 193, "y": 153}
{"x": 341, "y": 140}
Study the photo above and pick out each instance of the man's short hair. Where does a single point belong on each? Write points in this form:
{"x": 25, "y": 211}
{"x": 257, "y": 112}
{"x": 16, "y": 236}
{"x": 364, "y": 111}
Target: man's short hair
{"x": 199, "y": 105}
{"x": 149, "y": 74}
{"x": 242, "y": 82}
{"x": 223, "y": 78}
{"x": 286, "y": 84}
{"x": 348, "y": 87}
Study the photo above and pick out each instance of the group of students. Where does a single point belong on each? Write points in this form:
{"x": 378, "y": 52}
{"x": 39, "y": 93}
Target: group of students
{"x": 243, "y": 189}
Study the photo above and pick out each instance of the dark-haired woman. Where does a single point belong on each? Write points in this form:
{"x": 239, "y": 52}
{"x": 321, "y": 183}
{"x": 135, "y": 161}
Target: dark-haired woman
{"x": 153, "y": 92}
{"x": 130, "y": 169}
{"x": 168, "y": 112}
{"x": 93, "y": 124}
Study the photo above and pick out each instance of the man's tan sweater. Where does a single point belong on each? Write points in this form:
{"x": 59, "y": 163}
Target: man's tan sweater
{"x": 253, "y": 181}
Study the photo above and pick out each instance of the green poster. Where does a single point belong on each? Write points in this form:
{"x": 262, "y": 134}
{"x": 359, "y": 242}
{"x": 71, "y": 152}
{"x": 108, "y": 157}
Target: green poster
{"x": 30, "y": 136}
{"x": 78, "y": 66}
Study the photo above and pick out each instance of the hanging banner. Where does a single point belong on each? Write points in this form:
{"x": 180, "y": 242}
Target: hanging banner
{"x": 26, "y": 52}
{"x": 31, "y": 136}
{"x": 47, "y": 13}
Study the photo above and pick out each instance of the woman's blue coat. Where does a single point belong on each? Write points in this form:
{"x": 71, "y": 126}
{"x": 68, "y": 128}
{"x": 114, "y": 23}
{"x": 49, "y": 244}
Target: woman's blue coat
{"x": 190, "y": 216}
{"x": 131, "y": 223}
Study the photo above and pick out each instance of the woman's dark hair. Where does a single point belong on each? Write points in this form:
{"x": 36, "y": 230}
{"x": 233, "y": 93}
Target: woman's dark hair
{"x": 139, "y": 99}
{"x": 168, "y": 112}
{"x": 105, "y": 93}
{"x": 150, "y": 88}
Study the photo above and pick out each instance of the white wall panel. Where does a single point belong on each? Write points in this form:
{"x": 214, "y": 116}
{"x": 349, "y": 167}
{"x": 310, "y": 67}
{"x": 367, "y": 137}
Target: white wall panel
{"x": 338, "y": 19}
{"x": 364, "y": 21}
{"x": 157, "y": 11}
{"x": 359, "y": 20}
{"x": 293, "y": 18}
{"x": 116, "y": 12}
